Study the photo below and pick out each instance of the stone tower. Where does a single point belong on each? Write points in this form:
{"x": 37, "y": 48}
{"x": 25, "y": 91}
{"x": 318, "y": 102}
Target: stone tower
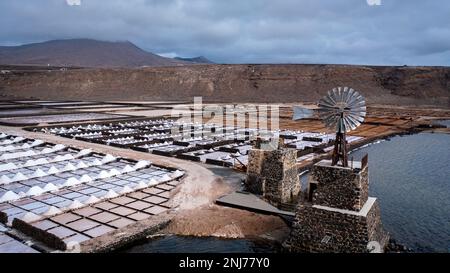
{"x": 272, "y": 172}
{"x": 339, "y": 215}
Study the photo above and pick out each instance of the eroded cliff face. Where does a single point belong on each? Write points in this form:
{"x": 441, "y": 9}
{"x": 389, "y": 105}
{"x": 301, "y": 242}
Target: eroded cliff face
{"x": 234, "y": 83}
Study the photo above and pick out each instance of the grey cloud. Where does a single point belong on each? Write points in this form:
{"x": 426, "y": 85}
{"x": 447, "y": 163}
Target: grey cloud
{"x": 413, "y": 32}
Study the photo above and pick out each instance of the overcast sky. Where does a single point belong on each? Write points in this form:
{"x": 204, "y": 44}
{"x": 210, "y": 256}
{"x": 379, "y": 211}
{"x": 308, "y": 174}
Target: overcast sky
{"x": 397, "y": 32}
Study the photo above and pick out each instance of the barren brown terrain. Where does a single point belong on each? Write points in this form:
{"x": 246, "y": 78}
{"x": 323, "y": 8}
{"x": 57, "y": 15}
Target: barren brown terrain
{"x": 410, "y": 86}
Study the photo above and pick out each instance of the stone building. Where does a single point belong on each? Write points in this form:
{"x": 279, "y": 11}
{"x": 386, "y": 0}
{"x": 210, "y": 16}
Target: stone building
{"x": 338, "y": 215}
{"x": 272, "y": 173}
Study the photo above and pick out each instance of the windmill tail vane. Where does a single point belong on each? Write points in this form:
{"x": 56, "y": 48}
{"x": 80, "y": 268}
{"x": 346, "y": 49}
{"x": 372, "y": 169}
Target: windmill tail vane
{"x": 343, "y": 109}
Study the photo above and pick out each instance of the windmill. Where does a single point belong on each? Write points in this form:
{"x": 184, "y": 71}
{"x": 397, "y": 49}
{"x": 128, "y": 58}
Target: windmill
{"x": 343, "y": 109}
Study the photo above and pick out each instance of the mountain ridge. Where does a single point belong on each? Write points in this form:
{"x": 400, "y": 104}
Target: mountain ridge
{"x": 89, "y": 53}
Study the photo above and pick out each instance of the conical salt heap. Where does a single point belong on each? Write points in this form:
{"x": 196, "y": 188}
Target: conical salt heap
{"x": 19, "y": 177}
{"x": 52, "y": 211}
{"x": 81, "y": 165}
{"x": 177, "y": 174}
{"x": 25, "y": 146}
{"x": 165, "y": 178}
{"x": 5, "y": 179}
{"x": 75, "y": 205}
{"x": 96, "y": 162}
{"x": 50, "y": 187}
{"x": 72, "y": 181}
{"x": 58, "y": 147}
{"x": 9, "y": 196}
{"x": 7, "y": 167}
{"x": 153, "y": 182}
{"x": 110, "y": 194}
{"x": 126, "y": 189}
{"x": 30, "y": 217}
{"x": 37, "y": 142}
{"x": 142, "y": 164}
{"x": 91, "y": 200}
{"x": 68, "y": 157}
{"x": 70, "y": 167}
{"x": 114, "y": 172}
{"x": 84, "y": 152}
{"x": 58, "y": 158}
{"x": 103, "y": 174}
{"x": 85, "y": 178}
{"x": 39, "y": 173}
{"x": 53, "y": 170}
{"x": 47, "y": 151}
{"x": 141, "y": 185}
{"x": 34, "y": 191}
{"x": 108, "y": 158}
{"x": 127, "y": 169}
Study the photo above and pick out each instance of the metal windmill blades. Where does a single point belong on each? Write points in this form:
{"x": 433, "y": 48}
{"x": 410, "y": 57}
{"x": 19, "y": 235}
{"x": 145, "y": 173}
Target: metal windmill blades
{"x": 345, "y": 103}
{"x": 343, "y": 109}
{"x": 340, "y": 102}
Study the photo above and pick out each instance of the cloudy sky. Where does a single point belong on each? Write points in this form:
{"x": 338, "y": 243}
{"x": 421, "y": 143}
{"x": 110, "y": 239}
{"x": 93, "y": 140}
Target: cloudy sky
{"x": 397, "y": 32}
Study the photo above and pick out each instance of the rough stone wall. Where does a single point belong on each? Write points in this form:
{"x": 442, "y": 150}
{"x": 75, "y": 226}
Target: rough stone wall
{"x": 348, "y": 233}
{"x": 273, "y": 173}
{"x": 339, "y": 187}
{"x": 254, "y": 182}
{"x": 375, "y": 226}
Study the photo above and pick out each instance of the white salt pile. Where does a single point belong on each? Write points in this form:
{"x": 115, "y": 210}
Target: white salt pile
{"x": 81, "y": 165}
{"x": 153, "y": 182}
{"x": 39, "y": 173}
{"x": 72, "y": 181}
{"x": 92, "y": 199}
{"x": 103, "y": 174}
{"x": 58, "y": 147}
{"x": 25, "y": 146}
{"x": 141, "y": 185}
{"x": 110, "y": 194}
{"x": 40, "y": 161}
{"x": 52, "y": 170}
{"x": 69, "y": 167}
{"x": 165, "y": 178}
{"x": 114, "y": 172}
{"x": 30, "y": 217}
{"x": 19, "y": 177}
{"x": 108, "y": 158}
{"x": 50, "y": 187}
{"x": 126, "y": 189}
{"x": 142, "y": 164}
{"x": 9, "y": 196}
{"x": 67, "y": 157}
{"x": 5, "y": 179}
{"x": 52, "y": 211}
{"x": 37, "y": 142}
{"x": 75, "y": 205}
{"x": 47, "y": 151}
{"x": 96, "y": 162}
{"x": 84, "y": 152}
{"x": 85, "y": 178}
{"x": 127, "y": 169}
{"x": 34, "y": 191}
{"x": 177, "y": 174}
{"x": 58, "y": 158}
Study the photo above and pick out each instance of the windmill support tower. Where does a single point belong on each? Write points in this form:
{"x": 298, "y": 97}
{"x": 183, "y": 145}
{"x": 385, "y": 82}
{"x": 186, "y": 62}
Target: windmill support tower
{"x": 339, "y": 215}
{"x": 340, "y": 148}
